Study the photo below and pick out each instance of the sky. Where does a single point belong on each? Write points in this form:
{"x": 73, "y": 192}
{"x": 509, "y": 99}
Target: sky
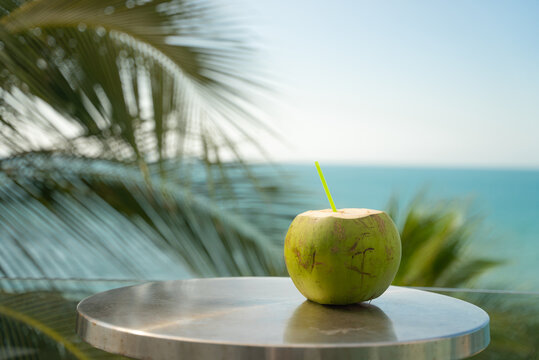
{"x": 420, "y": 83}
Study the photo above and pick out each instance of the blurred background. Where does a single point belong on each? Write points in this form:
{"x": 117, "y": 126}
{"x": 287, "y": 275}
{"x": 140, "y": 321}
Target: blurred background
{"x": 152, "y": 140}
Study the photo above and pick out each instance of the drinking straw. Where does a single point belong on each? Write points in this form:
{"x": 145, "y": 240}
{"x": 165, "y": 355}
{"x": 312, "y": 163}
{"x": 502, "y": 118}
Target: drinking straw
{"x": 328, "y": 194}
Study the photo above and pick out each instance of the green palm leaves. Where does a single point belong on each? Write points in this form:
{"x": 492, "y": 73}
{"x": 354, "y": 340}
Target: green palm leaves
{"x": 124, "y": 80}
{"x": 138, "y": 82}
{"x": 65, "y": 217}
{"x": 91, "y": 93}
{"x": 434, "y": 245}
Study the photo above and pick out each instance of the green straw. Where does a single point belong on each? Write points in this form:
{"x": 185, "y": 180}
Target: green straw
{"x": 328, "y": 194}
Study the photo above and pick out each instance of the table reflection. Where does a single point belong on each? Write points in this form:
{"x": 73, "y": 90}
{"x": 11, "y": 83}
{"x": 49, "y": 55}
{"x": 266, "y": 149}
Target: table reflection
{"x": 357, "y": 323}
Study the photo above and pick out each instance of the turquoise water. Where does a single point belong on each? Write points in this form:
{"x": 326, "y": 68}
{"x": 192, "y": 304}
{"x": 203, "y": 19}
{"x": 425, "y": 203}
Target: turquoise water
{"x": 508, "y": 200}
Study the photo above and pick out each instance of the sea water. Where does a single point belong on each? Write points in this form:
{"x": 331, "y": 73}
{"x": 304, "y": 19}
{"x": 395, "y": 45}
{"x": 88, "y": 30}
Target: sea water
{"x": 508, "y": 200}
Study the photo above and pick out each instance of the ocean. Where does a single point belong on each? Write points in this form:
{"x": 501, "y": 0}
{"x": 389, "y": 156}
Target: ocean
{"x": 508, "y": 201}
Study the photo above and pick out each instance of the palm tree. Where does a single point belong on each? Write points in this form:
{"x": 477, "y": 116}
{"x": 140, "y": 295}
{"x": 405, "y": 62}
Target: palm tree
{"x": 122, "y": 126}
{"x": 91, "y": 89}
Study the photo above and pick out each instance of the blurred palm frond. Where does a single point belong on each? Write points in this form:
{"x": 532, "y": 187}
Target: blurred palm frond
{"x": 435, "y": 239}
{"x": 125, "y": 80}
{"x": 91, "y": 93}
{"x": 107, "y": 217}
{"x": 514, "y": 324}
{"x": 39, "y": 325}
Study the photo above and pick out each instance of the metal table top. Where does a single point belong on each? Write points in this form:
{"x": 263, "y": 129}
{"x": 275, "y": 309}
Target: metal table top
{"x": 267, "y": 318}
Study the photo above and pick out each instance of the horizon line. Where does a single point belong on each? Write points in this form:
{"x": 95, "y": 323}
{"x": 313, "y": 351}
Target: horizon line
{"x": 502, "y": 167}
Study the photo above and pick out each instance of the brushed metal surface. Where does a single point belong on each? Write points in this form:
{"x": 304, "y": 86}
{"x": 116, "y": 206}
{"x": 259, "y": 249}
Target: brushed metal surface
{"x": 267, "y": 318}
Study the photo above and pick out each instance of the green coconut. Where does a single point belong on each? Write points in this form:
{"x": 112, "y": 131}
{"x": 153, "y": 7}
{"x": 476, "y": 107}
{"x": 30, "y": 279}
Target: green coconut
{"x": 342, "y": 257}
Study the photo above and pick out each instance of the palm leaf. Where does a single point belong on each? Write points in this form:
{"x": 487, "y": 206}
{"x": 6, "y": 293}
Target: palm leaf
{"x": 129, "y": 81}
{"x": 435, "y": 241}
{"x": 513, "y": 324}
{"x": 268, "y": 198}
{"x": 118, "y": 225}
{"x": 125, "y": 80}
{"x": 39, "y": 325}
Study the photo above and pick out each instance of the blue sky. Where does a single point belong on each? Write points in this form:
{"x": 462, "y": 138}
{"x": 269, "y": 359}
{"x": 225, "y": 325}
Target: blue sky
{"x": 426, "y": 83}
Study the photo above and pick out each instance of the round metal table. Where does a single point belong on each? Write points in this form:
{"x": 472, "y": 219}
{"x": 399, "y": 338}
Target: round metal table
{"x": 267, "y": 318}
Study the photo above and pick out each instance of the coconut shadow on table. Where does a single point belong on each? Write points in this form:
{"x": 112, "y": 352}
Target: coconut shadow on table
{"x": 314, "y": 323}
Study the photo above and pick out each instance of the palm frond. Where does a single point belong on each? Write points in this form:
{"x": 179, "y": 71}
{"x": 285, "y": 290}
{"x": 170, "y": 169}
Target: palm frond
{"x": 39, "y": 325}
{"x": 125, "y": 80}
{"x": 268, "y": 197}
{"x": 466, "y": 272}
{"x": 435, "y": 239}
{"x": 514, "y": 324}
{"x": 67, "y": 217}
